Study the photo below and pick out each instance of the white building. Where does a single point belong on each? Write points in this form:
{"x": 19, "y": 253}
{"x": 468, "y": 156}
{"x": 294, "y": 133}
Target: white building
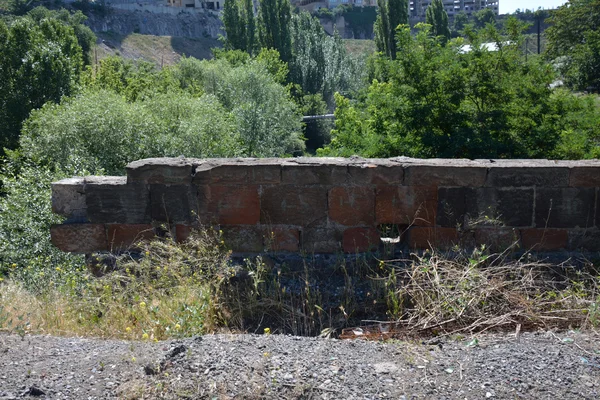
{"x": 453, "y": 7}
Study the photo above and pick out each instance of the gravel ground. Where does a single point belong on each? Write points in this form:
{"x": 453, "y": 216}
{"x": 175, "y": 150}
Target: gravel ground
{"x": 543, "y": 365}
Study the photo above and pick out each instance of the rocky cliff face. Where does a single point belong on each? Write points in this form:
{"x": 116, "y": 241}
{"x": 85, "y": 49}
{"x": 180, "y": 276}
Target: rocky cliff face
{"x": 182, "y": 25}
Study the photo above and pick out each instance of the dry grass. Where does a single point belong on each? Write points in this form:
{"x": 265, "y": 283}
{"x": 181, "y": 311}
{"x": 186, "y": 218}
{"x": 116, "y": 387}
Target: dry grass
{"x": 474, "y": 292}
{"x": 160, "y": 50}
{"x": 166, "y": 290}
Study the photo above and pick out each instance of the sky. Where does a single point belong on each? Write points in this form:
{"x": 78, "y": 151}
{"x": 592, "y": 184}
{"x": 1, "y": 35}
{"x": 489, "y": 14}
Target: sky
{"x": 509, "y": 6}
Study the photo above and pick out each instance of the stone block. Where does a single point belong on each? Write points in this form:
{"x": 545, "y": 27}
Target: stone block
{"x": 174, "y": 203}
{"x": 182, "y": 232}
{"x": 316, "y": 172}
{"x": 352, "y": 205}
{"x": 585, "y": 176}
{"x": 452, "y": 206}
{"x": 537, "y": 239}
{"x": 565, "y": 207}
{"x": 79, "y": 238}
{"x": 293, "y": 205}
{"x": 509, "y": 207}
{"x": 282, "y": 238}
{"x": 112, "y": 200}
{"x": 427, "y": 237}
{"x": 527, "y": 175}
{"x": 321, "y": 240}
{"x": 445, "y": 175}
{"x": 238, "y": 171}
{"x": 497, "y": 239}
{"x": 161, "y": 171}
{"x": 229, "y": 205}
{"x": 360, "y": 240}
{"x": 122, "y": 237}
{"x": 68, "y": 199}
{"x": 584, "y": 239}
{"x": 376, "y": 172}
{"x": 406, "y": 205}
{"x": 243, "y": 239}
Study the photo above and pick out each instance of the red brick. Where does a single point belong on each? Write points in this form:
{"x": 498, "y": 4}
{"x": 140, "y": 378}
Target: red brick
{"x": 79, "y": 238}
{"x": 314, "y": 174}
{"x": 293, "y": 205}
{"x": 182, "y": 232}
{"x": 445, "y": 175}
{"x": 352, "y": 205}
{"x": 321, "y": 240}
{"x": 360, "y": 240}
{"x": 124, "y": 236}
{"x": 406, "y": 205}
{"x": 229, "y": 205}
{"x": 282, "y": 239}
{"x": 424, "y": 238}
{"x": 584, "y": 176}
{"x": 496, "y": 239}
{"x": 243, "y": 239}
{"x": 544, "y": 239}
{"x": 383, "y": 172}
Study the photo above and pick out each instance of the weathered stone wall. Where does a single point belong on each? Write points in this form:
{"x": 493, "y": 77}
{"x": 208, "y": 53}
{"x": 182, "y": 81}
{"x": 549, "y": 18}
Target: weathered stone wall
{"x": 326, "y": 205}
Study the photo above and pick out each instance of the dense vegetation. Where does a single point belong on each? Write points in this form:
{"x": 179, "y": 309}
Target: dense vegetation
{"x": 432, "y": 92}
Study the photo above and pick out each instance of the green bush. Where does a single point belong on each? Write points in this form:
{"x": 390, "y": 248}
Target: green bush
{"x": 445, "y": 101}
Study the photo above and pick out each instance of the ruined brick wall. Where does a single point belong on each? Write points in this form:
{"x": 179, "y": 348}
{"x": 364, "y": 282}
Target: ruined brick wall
{"x": 327, "y": 205}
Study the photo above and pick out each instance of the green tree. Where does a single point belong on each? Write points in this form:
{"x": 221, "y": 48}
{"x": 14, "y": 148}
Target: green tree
{"x": 320, "y": 63}
{"x": 240, "y": 25}
{"x": 443, "y": 101}
{"x": 573, "y": 41}
{"x": 437, "y": 17}
{"x": 235, "y": 30}
{"x": 250, "y": 23}
{"x": 484, "y": 17}
{"x": 460, "y": 21}
{"x": 274, "y": 27}
{"x": 391, "y": 13}
{"x": 76, "y": 20}
{"x": 39, "y": 62}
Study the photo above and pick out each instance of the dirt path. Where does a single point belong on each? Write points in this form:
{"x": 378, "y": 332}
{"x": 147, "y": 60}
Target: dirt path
{"x": 538, "y": 366}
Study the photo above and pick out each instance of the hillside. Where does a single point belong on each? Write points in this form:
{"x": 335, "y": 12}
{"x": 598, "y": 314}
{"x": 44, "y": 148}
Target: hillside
{"x": 161, "y": 50}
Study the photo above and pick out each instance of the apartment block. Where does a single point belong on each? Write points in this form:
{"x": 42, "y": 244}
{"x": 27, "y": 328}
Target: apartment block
{"x": 453, "y": 7}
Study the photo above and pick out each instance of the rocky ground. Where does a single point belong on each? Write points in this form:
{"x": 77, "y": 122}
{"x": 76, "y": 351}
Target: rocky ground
{"x": 543, "y": 365}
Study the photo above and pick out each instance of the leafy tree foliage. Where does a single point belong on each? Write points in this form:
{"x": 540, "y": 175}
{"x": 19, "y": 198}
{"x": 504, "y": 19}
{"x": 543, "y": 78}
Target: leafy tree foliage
{"x": 460, "y": 21}
{"x": 76, "y": 20}
{"x": 574, "y": 37}
{"x": 74, "y": 135}
{"x": 437, "y": 17}
{"x": 274, "y": 27}
{"x": 320, "y": 63}
{"x": 240, "y": 25}
{"x": 484, "y": 17}
{"x": 391, "y": 13}
{"x": 196, "y": 109}
{"x": 446, "y": 102}
{"x": 39, "y": 62}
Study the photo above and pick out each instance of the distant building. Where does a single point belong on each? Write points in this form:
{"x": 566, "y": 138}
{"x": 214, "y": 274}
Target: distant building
{"x": 453, "y": 7}
{"x": 206, "y": 4}
{"x": 416, "y": 7}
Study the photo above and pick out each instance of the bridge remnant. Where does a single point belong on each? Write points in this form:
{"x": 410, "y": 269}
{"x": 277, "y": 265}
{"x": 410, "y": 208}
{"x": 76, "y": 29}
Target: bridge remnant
{"x": 328, "y": 205}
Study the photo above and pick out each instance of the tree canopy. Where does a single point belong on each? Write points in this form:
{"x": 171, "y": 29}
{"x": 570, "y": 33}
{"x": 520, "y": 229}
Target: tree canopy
{"x": 40, "y": 61}
{"x": 390, "y": 14}
{"x": 574, "y": 42}
{"x": 444, "y": 101}
{"x": 437, "y": 17}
